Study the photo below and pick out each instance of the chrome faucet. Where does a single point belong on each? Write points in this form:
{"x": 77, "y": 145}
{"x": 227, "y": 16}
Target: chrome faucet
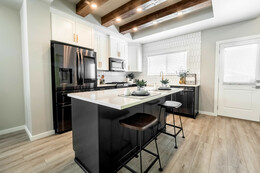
{"x": 161, "y": 74}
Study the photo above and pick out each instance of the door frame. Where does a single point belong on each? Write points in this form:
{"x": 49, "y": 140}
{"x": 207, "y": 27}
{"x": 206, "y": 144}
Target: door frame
{"x": 217, "y": 65}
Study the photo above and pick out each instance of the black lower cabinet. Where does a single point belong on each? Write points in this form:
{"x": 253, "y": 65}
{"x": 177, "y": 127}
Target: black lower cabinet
{"x": 99, "y": 141}
{"x": 189, "y": 98}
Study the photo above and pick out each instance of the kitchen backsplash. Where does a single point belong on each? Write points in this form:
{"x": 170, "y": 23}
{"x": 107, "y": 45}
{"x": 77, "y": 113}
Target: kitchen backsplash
{"x": 112, "y": 76}
{"x": 190, "y": 42}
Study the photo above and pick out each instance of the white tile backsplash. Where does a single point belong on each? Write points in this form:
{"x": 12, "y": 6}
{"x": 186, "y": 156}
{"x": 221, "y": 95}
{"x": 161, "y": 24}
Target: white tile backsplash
{"x": 112, "y": 76}
{"x": 190, "y": 43}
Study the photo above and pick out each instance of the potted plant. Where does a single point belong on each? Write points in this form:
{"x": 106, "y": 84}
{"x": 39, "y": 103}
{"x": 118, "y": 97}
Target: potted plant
{"x": 130, "y": 77}
{"x": 140, "y": 84}
{"x": 182, "y": 75}
{"x": 164, "y": 82}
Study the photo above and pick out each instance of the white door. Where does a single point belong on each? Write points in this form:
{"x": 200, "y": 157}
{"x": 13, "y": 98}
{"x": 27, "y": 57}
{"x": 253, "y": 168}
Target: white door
{"x": 238, "y": 76}
{"x": 84, "y": 35}
{"x": 63, "y": 29}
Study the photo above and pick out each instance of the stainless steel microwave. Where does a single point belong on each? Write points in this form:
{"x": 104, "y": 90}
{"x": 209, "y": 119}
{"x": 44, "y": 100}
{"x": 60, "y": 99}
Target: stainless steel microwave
{"x": 116, "y": 64}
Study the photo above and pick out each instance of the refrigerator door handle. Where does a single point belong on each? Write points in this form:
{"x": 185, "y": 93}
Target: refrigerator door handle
{"x": 82, "y": 67}
{"x": 79, "y": 67}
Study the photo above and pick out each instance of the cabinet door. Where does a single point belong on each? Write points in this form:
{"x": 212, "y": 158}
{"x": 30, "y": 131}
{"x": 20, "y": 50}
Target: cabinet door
{"x": 113, "y": 47}
{"x": 63, "y": 29}
{"x": 135, "y": 57}
{"x": 120, "y": 49}
{"x": 103, "y": 51}
{"x": 132, "y": 58}
{"x": 96, "y": 48}
{"x": 84, "y": 35}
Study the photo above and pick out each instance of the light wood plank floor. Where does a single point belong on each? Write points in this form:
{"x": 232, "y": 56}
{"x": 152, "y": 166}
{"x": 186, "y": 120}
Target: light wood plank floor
{"x": 212, "y": 144}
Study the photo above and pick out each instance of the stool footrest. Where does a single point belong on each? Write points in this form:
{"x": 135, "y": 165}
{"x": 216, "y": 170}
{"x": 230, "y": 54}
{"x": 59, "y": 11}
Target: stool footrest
{"x": 171, "y": 134}
{"x": 127, "y": 167}
{"x": 178, "y": 127}
{"x": 135, "y": 153}
{"x": 150, "y": 166}
{"x": 150, "y": 152}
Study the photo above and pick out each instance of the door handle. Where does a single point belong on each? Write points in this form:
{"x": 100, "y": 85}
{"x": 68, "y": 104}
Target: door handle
{"x": 79, "y": 69}
{"x": 82, "y": 67}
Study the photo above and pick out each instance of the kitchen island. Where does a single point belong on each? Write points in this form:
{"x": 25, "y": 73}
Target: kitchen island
{"x": 98, "y": 138}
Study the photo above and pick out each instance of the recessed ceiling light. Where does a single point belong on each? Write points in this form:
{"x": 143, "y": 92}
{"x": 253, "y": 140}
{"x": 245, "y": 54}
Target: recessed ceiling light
{"x": 135, "y": 28}
{"x": 180, "y": 13}
{"x": 155, "y": 22}
{"x": 118, "y": 19}
{"x": 93, "y": 6}
{"x": 139, "y": 9}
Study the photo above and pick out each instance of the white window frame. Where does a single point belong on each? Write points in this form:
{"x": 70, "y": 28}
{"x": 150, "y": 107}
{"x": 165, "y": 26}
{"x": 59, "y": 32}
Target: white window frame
{"x": 241, "y": 43}
{"x": 166, "y": 53}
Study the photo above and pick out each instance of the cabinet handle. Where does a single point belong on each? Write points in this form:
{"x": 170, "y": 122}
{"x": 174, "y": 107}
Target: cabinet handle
{"x": 74, "y": 36}
{"x": 100, "y": 64}
{"x": 77, "y": 38}
{"x": 118, "y": 54}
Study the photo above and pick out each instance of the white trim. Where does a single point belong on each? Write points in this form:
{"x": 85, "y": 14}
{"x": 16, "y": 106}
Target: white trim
{"x": 38, "y": 136}
{"x": 31, "y": 137}
{"x": 218, "y": 43}
{"x": 207, "y": 113}
{"x": 10, "y": 130}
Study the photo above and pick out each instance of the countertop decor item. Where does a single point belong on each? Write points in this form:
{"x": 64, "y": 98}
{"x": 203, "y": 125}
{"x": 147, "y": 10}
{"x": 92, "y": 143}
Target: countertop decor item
{"x": 191, "y": 79}
{"x": 164, "y": 88}
{"x": 164, "y": 82}
{"x": 143, "y": 93}
{"x": 140, "y": 86}
{"x": 130, "y": 77}
{"x": 182, "y": 75}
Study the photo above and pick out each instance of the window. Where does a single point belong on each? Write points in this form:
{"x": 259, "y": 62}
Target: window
{"x": 240, "y": 64}
{"x": 169, "y": 64}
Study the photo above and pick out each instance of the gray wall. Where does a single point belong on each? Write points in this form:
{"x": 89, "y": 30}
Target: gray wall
{"x": 208, "y": 54}
{"x": 39, "y": 36}
{"x": 11, "y": 73}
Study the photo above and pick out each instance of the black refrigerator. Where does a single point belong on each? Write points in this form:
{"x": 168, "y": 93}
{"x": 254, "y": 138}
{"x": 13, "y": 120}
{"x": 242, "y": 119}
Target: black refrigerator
{"x": 73, "y": 69}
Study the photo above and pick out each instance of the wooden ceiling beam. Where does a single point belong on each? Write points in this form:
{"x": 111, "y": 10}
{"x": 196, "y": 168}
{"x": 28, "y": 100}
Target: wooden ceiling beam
{"x": 83, "y": 7}
{"x": 127, "y": 10}
{"x": 143, "y": 21}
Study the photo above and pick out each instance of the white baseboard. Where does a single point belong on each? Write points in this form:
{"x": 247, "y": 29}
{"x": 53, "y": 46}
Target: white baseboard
{"x": 38, "y": 136}
{"x": 208, "y": 113}
{"x": 10, "y": 130}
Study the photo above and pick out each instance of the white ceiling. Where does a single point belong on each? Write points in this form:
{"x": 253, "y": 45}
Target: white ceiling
{"x": 225, "y": 12}
{"x": 16, "y": 4}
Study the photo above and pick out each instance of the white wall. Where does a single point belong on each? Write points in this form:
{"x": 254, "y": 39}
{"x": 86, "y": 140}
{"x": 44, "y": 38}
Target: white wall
{"x": 189, "y": 42}
{"x": 208, "y": 54}
{"x": 26, "y": 73}
{"x": 36, "y": 31}
{"x": 11, "y": 74}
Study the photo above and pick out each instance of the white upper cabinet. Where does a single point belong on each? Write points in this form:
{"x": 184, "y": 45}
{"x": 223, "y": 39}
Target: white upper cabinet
{"x": 134, "y": 57}
{"x": 63, "y": 29}
{"x": 84, "y": 35}
{"x": 117, "y": 48}
{"x": 101, "y": 48}
{"x": 70, "y": 31}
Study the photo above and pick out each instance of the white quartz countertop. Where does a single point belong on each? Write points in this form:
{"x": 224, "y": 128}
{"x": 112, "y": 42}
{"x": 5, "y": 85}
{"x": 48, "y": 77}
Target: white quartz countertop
{"x": 184, "y": 85}
{"x": 106, "y": 85}
{"x": 114, "y": 98}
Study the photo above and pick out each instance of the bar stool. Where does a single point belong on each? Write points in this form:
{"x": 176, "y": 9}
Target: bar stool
{"x": 141, "y": 122}
{"x": 170, "y": 106}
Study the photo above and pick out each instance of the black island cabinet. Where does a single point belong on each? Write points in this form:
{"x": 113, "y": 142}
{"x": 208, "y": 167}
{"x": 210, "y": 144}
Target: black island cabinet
{"x": 99, "y": 141}
{"x": 189, "y": 98}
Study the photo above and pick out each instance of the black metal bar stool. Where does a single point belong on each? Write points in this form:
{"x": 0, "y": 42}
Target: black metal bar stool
{"x": 170, "y": 106}
{"x": 140, "y": 122}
